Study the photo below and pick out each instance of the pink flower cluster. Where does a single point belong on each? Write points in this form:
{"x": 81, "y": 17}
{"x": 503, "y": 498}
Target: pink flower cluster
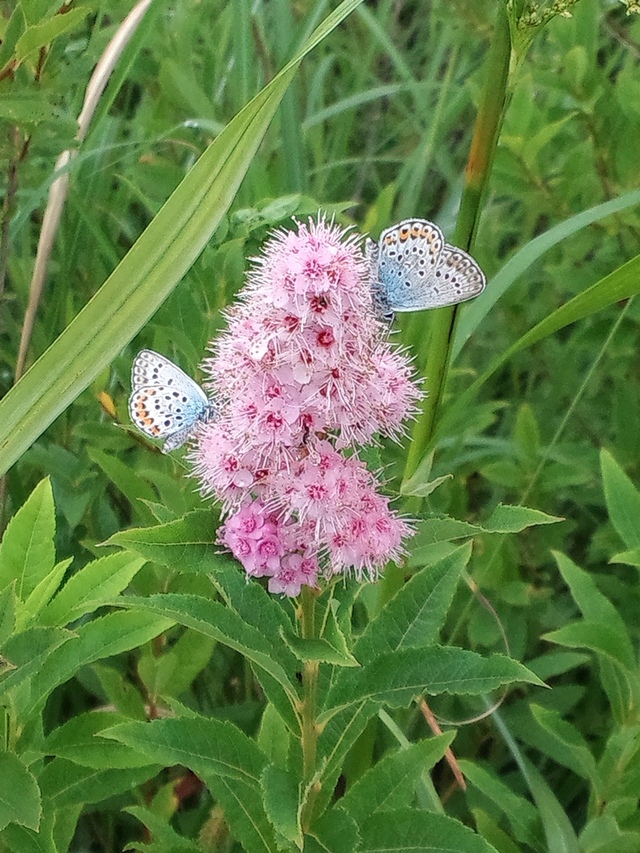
{"x": 304, "y": 373}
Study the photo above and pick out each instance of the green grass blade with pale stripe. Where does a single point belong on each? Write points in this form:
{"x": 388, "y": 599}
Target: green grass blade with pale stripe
{"x": 149, "y": 271}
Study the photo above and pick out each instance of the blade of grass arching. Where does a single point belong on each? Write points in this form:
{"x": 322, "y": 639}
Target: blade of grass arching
{"x": 472, "y": 314}
{"x": 622, "y": 283}
{"x": 558, "y": 830}
{"x": 149, "y": 271}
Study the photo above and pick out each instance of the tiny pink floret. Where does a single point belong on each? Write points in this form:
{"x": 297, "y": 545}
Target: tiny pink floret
{"x": 304, "y": 372}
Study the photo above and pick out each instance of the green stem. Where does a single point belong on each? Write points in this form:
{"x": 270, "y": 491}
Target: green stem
{"x": 477, "y": 172}
{"x": 309, "y": 705}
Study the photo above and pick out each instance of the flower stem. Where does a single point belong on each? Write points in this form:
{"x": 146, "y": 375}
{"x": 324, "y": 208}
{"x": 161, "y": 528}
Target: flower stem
{"x": 309, "y": 703}
{"x": 478, "y": 169}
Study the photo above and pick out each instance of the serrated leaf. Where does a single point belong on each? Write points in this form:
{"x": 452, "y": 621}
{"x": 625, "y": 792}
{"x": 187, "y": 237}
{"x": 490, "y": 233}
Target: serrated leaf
{"x": 226, "y": 759}
{"x": 414, "y": 617}
{"x": 77, "y": 740}
{"x": 334, "y": 832}
{"x": 281, "y": 794}
{"x": 504, "y": 519}
{"x": 27, "y": 552}
{"x": 25, "y": 654}
{"x": 318, "y": 649}
{"x": 514, "y": 519}
{"x": 64, "y": 783}
{"x": 390, "y": 784}
{"x": 42, "y": 594}
{"x": 623, "y": 500}
{"x": 91, "y": 587}
{"x": 214, "y": 620}
{"x": 273, "y": 737}
{"x": 208, "y": 747}
{"x": 396, "y": 678}
{"x": 336, "y": 738}
{"x": 101, "y": 638}
{"x": 413, "y": 831}
{"x": 20, "y": 800}
{"x": 185, "y": 545}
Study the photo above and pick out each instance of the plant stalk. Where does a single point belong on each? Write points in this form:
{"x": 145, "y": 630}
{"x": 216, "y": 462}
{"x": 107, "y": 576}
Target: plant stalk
{"x": 477, "y": 172}
{"x": 309, "y": 705}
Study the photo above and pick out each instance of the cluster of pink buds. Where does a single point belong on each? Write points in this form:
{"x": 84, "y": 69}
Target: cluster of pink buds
{"x": 305, "y": 375}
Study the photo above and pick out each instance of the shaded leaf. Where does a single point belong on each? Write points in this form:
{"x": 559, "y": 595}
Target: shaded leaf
{"x": 20, "y": 799}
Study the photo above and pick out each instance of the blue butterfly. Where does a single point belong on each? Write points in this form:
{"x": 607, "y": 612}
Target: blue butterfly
{"x": 413, "y": 269}
{"x": 165, "y": 402}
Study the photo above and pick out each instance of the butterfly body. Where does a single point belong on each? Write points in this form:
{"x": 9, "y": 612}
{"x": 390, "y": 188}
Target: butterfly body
{"x": 413, "y": 268}
{"x": 165, "y": 402}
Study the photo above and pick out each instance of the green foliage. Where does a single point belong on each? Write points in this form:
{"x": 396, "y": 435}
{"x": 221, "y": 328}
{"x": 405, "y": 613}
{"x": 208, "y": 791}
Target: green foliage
{"x": 150, "y": 697}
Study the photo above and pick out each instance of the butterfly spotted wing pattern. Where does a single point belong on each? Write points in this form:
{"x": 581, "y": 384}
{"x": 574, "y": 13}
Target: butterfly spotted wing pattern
{"x": 165, "y": 402}
{"x": 413, "y": 269}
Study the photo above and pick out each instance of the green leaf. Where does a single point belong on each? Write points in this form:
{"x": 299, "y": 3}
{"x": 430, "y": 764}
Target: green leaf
{"x": 165, "y": 838}
{"x": 337, "y": 736}
{"x": 514, "y": 519}
{"x": 623, "y": 500}
{"x": 185, "y": 545}
{"x": 91, "y": 587}
{"x": 7, "y": 613}
{"x": 42, "y": 594}
{"x": 504, "y": 519}
{"x": 104, "y": 637}
{"x": 217, "y": 621}
{"x": 600, "y": 637}
{"x": 27, "y": 552}
{"x": 227, "y": 760}
{"x": 64, "y": 783}
{"x": 474, "y": 312}
{"x": 417, "y": 612}
{"x": 628, "y": 558}
{"x": 26, "y": 653}
{"x": 396, "y": 678}
{"x": 77, "y": 741}
{"x": 28, "y": 109}
{"x": 273, "y": 737}
{"x": 595, "y": 607}
{"x": 622, "y": 283}
{"x": 413, "y": 831}
{"x": 149, "y": 271}
{"x": 42, "y": 34}
{"x": 318, "y": 649}
{"x": 390, "y": 784}
{"x": 603, "y": 835}
{"x": 126, "y": 480}
{"x": 20, "y": 795}
{"x": 520, "y": 812}
{"x": 564, "y": 743}
{"x": 334, "y": 832}
{"x": 281, "y": 801}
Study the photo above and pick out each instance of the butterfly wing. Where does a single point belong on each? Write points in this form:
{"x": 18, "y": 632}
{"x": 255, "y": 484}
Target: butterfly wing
{"x": 457, "y": 277}
{"x": 416, "y": 269}
{"x": 165, "y": 402}
{"x": 408, "y": 256}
